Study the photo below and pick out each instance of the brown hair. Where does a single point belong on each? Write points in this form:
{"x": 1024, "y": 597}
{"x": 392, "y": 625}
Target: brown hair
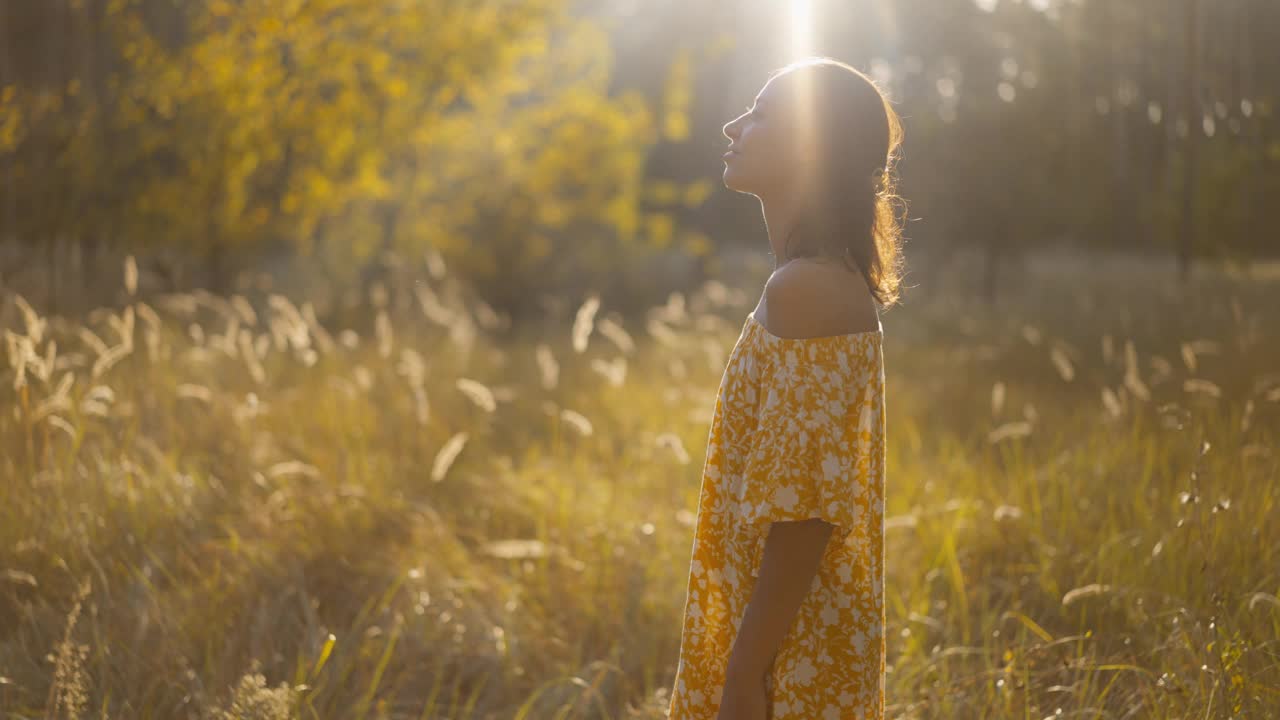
{"x": 853, "y": 150}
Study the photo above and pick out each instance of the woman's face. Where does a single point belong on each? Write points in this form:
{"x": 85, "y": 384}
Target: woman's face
{"x": 762, "y": 150}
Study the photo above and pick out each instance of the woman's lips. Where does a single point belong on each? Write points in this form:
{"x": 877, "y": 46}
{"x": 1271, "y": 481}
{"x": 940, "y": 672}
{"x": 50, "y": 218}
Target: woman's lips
{"x": 729, "y": 153}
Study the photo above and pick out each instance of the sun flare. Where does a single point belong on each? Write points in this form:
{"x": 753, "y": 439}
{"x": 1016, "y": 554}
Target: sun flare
{"x": 801, "y": 28}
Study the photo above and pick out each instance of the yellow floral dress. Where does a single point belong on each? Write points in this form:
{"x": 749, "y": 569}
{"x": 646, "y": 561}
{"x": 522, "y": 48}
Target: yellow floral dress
{"x": 798, "y": 432}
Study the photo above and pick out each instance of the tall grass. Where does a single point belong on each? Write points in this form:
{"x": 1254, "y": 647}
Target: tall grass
{"x": 221, "y": 507}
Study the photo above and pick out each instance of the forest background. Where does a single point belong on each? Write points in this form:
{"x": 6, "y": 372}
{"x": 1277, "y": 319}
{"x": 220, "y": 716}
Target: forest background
{"x": 359, "y": 356}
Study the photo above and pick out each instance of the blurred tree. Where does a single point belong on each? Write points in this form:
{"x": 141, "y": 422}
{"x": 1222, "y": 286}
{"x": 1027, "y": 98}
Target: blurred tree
{"x": 1028, "y": 123}
{"x": 333, "y": 128}
{"x": 502, "y": 134}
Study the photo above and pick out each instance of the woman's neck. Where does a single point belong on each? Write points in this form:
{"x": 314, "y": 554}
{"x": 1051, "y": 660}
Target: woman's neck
{"x": 781, "y": 212}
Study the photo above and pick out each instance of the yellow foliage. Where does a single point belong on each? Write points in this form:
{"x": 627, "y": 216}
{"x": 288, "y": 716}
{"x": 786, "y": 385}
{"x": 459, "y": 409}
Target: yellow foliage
{"x": 697, "y": 192}
{"x": 269, "y": 26}
{"x": 538, "y": 247}
{"x": 660, "y": 227}
{"x": 370, "y": 179}
{"x": 552, "y": 214}
{"x": 663, "y": 192}
{"x": 676, "y": 126}
{"x": 11, "y": 122}
{"x": 697, "y": 244}
{"x": 676, "y": 97}
{"x": 622, "y": 214}
{"x": 277, "y": 119}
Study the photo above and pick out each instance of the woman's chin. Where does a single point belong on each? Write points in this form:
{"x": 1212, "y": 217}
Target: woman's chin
{"x": 734, "y": 181}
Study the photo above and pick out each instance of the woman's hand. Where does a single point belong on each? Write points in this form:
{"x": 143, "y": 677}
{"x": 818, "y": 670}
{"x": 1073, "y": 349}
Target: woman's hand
{"x": 744, "y": 698}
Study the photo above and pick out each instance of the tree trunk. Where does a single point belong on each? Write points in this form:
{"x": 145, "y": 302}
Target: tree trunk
{"x": 1194, "y": 119}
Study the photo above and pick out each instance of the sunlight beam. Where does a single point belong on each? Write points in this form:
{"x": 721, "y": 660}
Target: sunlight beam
{"x": 801, "y": 28}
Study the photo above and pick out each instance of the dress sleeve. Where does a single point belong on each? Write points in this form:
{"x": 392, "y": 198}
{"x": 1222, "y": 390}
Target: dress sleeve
{"x": 818, "y": 446}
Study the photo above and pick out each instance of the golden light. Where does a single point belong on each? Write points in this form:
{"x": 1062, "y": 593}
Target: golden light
{"x": 802, "y": 45}
{"x": 801, "y": 28}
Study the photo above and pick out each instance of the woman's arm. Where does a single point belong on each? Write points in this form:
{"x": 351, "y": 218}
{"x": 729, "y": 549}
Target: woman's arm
{"x": 792, "y": 553}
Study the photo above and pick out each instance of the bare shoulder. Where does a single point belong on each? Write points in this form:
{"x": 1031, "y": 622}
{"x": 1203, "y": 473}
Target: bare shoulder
{"x": 811, "y": 299}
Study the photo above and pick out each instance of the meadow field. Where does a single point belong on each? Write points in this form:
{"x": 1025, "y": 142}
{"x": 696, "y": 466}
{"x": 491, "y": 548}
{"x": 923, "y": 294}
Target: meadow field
{"x": 222, "y": 507}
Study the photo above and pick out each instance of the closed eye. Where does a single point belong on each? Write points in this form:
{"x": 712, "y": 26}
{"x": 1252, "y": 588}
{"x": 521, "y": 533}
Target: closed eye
{"x": 752, "y": 112}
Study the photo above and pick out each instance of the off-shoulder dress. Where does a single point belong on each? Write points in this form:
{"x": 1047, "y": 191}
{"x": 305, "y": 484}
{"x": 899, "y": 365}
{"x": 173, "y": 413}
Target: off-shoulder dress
{"x": 798, "y": 432}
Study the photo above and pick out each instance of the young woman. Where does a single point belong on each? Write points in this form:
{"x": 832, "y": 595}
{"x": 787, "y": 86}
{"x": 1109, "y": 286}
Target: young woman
{"x": 784, "y": 613}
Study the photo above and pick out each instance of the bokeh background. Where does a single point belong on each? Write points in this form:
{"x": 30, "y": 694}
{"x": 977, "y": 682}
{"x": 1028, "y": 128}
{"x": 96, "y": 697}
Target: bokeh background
{"x": 359, "y": 356}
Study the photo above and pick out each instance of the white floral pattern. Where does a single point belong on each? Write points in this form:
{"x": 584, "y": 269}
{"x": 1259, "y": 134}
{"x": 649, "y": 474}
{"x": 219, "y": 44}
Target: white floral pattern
{"x": 798, "y": 432}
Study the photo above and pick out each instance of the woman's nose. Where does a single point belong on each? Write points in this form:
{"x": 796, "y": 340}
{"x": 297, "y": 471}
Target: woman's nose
{"x": 731, "y": 129}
